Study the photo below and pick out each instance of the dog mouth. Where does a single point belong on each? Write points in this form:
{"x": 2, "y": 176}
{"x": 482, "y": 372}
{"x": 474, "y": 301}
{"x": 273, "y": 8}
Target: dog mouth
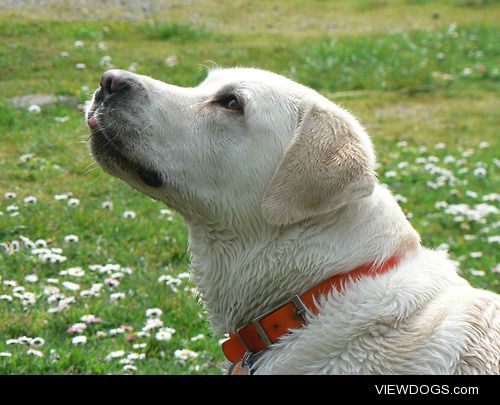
{"x": 105, "y": 146}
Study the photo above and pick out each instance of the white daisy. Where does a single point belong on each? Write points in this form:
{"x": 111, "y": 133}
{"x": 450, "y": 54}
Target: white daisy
{"x": 73, "y": 202}
{"x": 154, "y": 312}
{"x": 107, "y": 205}
{"x": 79, "y": 340}
{"x": 32, "y": 278}
{"x": 71, "y": 238}
{"x": 185, "y": 354}
{"x": 163, "y": 336}
{"x": 30, "y": 200}
{"x": 115, "y": 355}
{"x": 117, "y": 296}
{"x": 37, "y": 342}
{"x": 71, "y": 286}
{"x": 33, "y": 352}
{"x": 34, "y": 109}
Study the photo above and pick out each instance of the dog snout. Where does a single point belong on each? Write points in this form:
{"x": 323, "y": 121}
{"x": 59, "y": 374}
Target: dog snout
{"x": 116, "y": 80}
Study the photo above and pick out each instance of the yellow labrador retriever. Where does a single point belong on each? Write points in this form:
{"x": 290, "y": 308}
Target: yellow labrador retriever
{"x": 299, "y": 253}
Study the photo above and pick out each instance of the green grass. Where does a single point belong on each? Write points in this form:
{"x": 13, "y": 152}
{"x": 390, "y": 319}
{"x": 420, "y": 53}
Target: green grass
{"x": 174, "y": 32}
{"x": 434, "y": 83}
{"x": 411, "y": 60}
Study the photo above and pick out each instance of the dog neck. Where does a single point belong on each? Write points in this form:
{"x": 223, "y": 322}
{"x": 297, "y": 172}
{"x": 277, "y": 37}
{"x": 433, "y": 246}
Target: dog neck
{"x": 244, "y": 270}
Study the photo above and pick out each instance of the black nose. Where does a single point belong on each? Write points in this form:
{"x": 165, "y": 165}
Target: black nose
{"x": 115, "y": 80}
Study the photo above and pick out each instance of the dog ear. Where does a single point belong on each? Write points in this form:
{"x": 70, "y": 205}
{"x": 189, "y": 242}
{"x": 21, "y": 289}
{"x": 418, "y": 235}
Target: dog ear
{"x": 326, "y": 166}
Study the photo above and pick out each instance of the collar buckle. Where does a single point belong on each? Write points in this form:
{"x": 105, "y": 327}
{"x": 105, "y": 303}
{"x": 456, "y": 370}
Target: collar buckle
{"x": 301, "y": 310}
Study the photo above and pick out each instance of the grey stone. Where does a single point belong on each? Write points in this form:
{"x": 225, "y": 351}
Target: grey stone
{"x": 44, "y": 100}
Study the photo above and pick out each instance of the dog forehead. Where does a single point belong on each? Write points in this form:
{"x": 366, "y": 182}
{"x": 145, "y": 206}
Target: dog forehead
{"x": 255, "y": 80}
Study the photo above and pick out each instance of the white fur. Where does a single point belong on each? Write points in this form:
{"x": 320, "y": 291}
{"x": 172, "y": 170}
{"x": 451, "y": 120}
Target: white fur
{"x": 217, "y": 165}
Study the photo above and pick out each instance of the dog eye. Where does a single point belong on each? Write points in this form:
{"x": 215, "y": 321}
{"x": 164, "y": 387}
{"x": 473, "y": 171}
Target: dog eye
{"x": 231, "y": 103}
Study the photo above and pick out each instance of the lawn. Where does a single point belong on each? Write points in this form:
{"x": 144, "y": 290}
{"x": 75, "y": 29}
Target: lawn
{"x": 94, "y": 277}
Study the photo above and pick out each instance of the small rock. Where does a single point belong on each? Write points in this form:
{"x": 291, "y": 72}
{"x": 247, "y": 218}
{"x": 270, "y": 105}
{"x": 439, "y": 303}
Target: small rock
{"x": 43, "y": 100}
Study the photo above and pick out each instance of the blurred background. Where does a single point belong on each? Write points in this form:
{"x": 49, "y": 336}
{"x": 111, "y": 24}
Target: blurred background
{"x": 94, "y": 277}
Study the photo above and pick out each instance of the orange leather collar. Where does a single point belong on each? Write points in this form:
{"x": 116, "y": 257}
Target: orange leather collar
{"x": 266, "y": 329}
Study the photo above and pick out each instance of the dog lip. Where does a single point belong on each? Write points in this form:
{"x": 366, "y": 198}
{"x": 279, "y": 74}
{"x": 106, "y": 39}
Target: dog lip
{"x": 150, "y": 177}
{"x": 92, "y": 122}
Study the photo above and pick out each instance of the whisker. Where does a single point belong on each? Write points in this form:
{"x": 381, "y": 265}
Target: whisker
{"x": 90, "y": 167}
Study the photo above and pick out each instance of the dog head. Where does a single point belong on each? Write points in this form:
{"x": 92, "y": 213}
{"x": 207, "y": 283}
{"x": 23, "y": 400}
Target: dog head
{"x": 244, "y": 143}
